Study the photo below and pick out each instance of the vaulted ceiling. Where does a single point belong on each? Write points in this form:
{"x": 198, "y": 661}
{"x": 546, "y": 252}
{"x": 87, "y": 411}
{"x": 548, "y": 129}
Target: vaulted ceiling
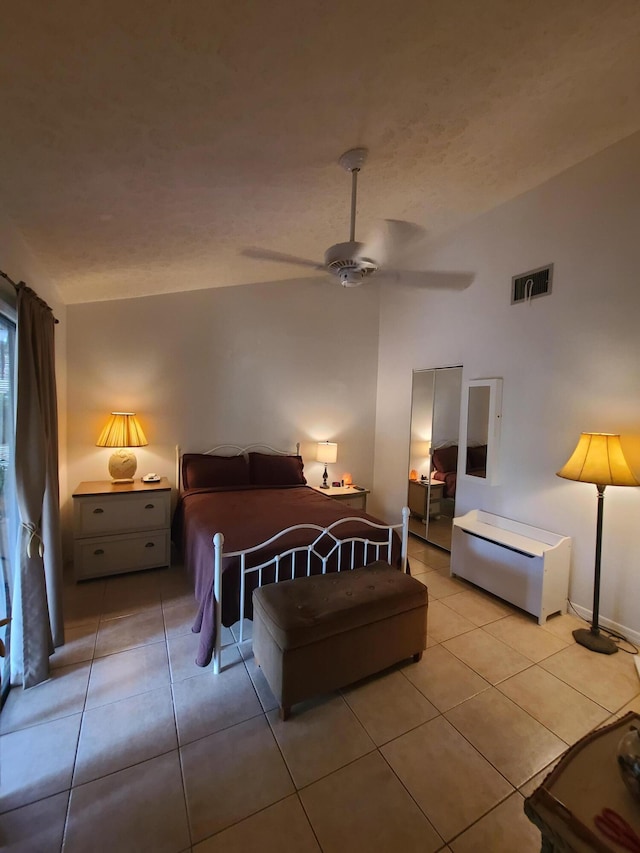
{"x": 145, "y": 144}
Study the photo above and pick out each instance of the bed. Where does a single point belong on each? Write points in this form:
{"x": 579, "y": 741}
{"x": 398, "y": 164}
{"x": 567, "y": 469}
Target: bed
{"x": 246, "y": 517}
{"x": 445, "y": 465}
{"x": 444, "y": 461}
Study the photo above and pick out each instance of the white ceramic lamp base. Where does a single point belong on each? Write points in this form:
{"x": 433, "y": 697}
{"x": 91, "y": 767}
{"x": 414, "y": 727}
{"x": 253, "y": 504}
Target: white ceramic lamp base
{"x": 122, "y": 466}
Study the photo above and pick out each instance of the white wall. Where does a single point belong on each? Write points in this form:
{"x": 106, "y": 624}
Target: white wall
{"x": 570, "y": 361}
{"x": 277, "y": 363}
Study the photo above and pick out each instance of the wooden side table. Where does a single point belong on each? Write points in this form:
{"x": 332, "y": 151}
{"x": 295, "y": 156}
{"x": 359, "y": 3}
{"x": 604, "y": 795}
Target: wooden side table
{"x": 585, "y": 781}
{"x": 347, "y": 495}
{"x": 418, "y": 492}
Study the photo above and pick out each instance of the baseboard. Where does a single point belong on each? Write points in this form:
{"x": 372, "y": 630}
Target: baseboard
{"x": 629, "y": 633}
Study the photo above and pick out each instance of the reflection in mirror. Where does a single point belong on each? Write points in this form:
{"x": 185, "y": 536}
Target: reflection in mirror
{"x": 433, "y": 453}
{"x": 477, "y": 431}
{"x": 480, "y": 428}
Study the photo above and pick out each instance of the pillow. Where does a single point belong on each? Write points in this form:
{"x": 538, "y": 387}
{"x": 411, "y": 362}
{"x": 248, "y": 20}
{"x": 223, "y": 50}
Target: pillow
{"x": 201, "y": 471}
{"x": 477, "y": 457}
{"x": 267, "y": 469}
{"x": 445, "y": 459}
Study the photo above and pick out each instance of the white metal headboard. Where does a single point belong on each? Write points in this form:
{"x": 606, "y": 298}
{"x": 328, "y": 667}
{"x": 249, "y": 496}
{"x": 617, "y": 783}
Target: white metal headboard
{"x": 237, "y": 450}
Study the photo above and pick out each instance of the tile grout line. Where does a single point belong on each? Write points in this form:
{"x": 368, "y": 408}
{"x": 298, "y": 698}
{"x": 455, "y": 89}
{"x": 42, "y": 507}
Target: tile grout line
{"x": 80, "y": 729}
{"x": 309, "y": 821}
{"x": 175, "y": 728}
{"x": 488, "y": 760}
{"x": 404, "y": 787}
{"x": 263, "y": 713}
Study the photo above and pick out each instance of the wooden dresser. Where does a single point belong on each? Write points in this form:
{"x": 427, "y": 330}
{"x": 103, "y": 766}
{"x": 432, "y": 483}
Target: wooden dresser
{"x": 121, "y": 527}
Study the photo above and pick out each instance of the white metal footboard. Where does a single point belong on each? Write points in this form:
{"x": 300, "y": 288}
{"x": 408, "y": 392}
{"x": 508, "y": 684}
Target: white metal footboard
{"x": 303, "y": 557}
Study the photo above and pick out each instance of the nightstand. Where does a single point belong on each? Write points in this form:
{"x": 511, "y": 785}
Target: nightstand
{"x": 418, "y": 491}
{"x": 121, "y": 527}
{"x": 347, "y": 495}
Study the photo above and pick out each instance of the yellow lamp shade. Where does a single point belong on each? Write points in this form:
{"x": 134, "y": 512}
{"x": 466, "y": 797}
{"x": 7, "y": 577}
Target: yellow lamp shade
{"x": 122, "y": 430}
{"x": 598, "y": 458}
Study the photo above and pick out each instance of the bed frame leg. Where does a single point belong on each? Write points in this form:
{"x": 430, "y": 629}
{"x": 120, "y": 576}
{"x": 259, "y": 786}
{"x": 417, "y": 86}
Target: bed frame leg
{"x": 285, "y": 710}
{"x": 417, "y": 657}
{"x": 218, "y": 543}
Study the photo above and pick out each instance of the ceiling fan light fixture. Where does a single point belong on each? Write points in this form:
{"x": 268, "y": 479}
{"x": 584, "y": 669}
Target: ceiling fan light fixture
{"x": 346, "y": 262}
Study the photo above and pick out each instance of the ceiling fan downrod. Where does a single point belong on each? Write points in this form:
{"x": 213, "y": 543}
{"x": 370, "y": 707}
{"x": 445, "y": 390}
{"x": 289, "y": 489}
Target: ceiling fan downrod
{"x": 352, "y": 161}
{"x": 345, "y": 260}
{"x": 354, "y": 194}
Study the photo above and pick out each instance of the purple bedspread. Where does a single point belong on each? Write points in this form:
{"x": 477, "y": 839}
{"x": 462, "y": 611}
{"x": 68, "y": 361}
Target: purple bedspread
{"x": 247, "y": 517}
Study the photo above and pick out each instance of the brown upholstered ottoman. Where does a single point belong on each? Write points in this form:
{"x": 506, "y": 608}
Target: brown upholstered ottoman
{"x": 314, "y": 634}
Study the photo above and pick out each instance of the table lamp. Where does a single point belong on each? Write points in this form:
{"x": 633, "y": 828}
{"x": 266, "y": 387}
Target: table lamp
{"x": 598, "y": 459}
{"x": 328, "y": 453}
{"x": 123, "y": 431}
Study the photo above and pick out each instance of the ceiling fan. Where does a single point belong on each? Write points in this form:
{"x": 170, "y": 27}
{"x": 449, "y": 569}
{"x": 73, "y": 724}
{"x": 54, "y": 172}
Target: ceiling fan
{"x": 352, "y": 262}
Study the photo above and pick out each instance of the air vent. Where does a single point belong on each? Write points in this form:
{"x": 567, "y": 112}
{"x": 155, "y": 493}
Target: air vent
{"x": 530, "y": 284}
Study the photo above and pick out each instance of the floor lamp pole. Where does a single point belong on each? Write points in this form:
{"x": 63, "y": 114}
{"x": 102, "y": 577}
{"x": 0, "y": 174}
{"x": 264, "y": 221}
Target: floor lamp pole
{"x": 591, "y": 637}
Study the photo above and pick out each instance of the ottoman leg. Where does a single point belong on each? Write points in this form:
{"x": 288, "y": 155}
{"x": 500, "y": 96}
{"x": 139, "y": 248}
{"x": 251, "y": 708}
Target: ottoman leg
{"x": 417, "y": 657}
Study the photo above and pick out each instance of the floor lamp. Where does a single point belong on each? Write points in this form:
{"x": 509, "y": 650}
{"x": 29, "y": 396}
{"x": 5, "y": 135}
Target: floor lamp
{"x": 598, "y": 459}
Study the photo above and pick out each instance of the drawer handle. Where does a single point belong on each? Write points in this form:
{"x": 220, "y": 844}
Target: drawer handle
{"x": 98, "y": 511}
{"x": 150, "y": 506}
{"x": 149, "y": 545}
{"x": 99, "y": 551}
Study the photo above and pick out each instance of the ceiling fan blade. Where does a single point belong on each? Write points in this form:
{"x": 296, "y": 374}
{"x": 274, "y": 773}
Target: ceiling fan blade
{"x": 392, "y": 240}
{"x": 426, "y": 279}
{"x": 280, "y": 257}
{"x": 403, "y": 233}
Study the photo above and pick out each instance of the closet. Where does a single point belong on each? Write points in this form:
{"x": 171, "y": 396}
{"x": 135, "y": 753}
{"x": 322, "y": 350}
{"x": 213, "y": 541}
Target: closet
{"x": 433, "y": 453}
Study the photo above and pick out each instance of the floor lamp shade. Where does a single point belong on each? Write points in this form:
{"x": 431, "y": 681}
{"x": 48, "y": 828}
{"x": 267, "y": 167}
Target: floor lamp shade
{"x": 598, "y": 459}
{"x": 327, "y": 452}
{"x": 123, "y": 431}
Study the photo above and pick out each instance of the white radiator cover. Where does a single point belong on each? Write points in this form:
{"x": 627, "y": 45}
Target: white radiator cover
{"x": 525, "y": 565}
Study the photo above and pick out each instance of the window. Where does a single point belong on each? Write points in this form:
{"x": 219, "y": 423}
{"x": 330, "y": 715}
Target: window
{"x": 8, "y": 506}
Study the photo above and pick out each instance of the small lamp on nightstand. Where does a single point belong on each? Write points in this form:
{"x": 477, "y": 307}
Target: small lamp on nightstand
{"x": 123, "y": 431}
{"x": 328, "y": 453}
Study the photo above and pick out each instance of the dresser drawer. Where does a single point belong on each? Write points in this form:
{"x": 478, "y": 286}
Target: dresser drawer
{"x": 96, "y": 515}
{"x": 108, "y": 556}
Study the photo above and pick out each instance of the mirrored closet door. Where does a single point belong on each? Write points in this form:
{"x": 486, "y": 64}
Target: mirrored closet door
{"x": 433, "y": 453}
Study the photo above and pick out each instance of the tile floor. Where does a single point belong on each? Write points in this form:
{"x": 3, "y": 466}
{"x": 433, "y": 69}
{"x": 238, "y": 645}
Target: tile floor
{"x": 131, "y": 747}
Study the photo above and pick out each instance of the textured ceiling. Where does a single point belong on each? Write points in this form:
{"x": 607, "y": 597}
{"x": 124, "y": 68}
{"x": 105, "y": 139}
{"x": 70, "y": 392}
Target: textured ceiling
{"x": 145, "y": 144}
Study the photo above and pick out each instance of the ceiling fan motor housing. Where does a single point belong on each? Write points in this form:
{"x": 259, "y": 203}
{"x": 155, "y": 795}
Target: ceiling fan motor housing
{"x": 347, "y": 263}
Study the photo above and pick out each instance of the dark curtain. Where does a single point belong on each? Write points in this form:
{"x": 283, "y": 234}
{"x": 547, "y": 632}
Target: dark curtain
{"x": 37, "y": 594}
